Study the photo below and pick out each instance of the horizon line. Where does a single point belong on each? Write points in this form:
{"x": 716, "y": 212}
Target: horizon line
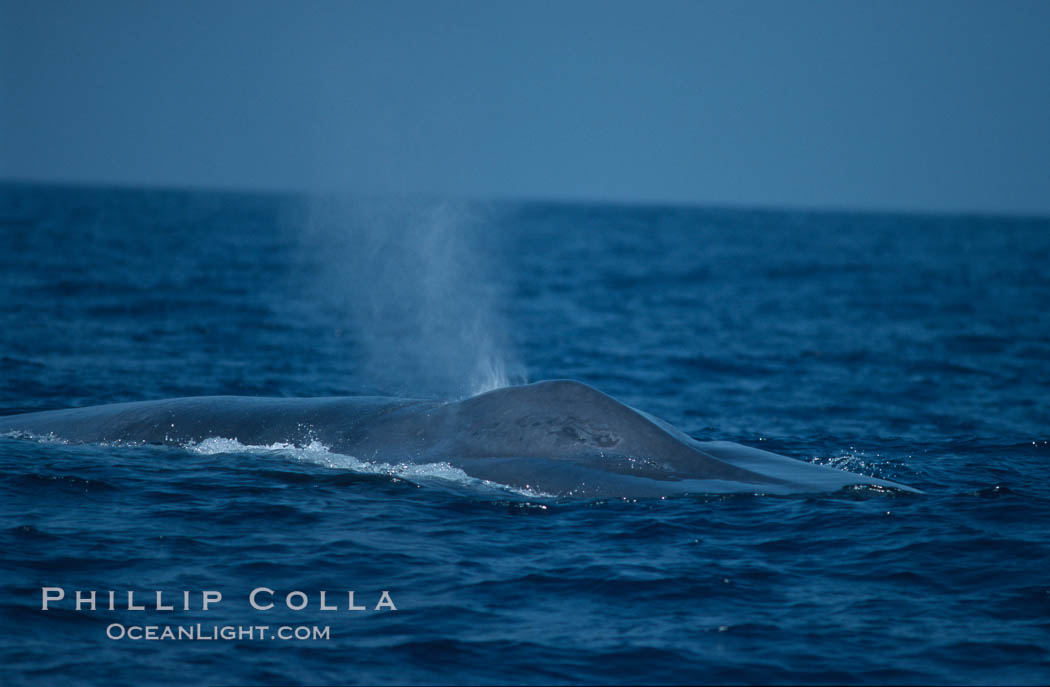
{"x": 525, "y": 199}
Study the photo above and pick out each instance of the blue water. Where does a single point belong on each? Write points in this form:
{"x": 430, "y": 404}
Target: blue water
{"x": 911, "y": 348}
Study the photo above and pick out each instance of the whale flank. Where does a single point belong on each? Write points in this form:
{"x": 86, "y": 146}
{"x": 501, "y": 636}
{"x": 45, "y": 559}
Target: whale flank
{"x": 560, "y": 438}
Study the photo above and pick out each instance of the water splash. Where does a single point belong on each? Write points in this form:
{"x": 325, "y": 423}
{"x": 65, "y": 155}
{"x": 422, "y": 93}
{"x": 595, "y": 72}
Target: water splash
{"x": 440, "y": 473}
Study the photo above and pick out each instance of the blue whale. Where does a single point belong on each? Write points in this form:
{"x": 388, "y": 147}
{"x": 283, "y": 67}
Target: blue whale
{"x": 560, "y": 438}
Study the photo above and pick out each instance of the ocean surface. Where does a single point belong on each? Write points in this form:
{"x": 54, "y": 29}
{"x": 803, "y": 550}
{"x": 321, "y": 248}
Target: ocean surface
{"x": 911, "y": 348}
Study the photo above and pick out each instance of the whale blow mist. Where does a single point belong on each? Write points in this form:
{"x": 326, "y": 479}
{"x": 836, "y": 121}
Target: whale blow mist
{"x": 413, "y": 286}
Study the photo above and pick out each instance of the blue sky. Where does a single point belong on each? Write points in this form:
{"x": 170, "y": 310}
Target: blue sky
{"x": 884, "y": 105}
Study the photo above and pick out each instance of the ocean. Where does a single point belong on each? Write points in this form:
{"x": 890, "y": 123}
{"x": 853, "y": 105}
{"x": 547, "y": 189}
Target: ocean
{"x": 914, "y": 348}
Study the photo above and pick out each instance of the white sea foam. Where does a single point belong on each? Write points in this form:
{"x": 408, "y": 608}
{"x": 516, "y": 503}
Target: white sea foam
{"x": 852, "y": 461}
{"x": 318, "y": 454}
{"x": 48, "y": 438}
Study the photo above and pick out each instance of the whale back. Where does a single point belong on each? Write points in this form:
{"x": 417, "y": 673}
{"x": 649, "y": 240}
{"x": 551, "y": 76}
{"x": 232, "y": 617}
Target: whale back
{"x": 558, "y": 437}
{"x": 250, "y": 420}
{"x": 559, "y": 417}
{"x": 569, "y": 421}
